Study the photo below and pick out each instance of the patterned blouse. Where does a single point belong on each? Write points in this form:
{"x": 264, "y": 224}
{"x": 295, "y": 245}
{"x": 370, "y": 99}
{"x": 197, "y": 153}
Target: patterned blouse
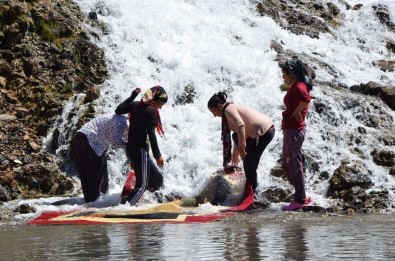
{"x": 105, "y": 131}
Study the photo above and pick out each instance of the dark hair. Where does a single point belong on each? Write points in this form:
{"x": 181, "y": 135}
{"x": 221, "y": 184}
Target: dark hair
{"x": 218, "y": 98}
{"x": 297, "y": 69}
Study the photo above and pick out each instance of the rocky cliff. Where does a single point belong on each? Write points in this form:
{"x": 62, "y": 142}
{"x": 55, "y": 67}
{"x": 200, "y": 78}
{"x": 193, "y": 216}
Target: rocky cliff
{"x": 45, "y": 58}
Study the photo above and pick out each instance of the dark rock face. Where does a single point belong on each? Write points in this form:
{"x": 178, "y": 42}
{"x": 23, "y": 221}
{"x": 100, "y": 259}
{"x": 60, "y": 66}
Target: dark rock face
{"x": 383, "y": 157}
{"x": 348, "y": 176}
{"x": 45, "y": 58}
{"x": 301, "y": 17}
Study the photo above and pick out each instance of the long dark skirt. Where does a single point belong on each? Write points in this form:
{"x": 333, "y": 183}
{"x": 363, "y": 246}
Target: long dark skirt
{"x": 92, "y": 169}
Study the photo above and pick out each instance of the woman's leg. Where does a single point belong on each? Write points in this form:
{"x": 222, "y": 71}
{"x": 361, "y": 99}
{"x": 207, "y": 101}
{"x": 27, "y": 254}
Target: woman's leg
{"x": 293, "y": 141}
{"x": 104, "y": 173}
{"x": 254, "y": 153}
{"x": 139, "y": 157}
{"x": 89, "y": 166}
{"x": 155, "y": 177}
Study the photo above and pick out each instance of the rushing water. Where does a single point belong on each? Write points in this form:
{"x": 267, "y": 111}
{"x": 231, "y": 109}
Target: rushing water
{"x": 225, "y": 45}
{"x": 215, "y": 46}
{"x": 262, "y": 235}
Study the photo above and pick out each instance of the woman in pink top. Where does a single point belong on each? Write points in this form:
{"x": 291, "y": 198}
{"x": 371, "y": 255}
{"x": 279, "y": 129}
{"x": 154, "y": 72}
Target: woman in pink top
{"x": 293, "y": 124}
{"x": 252, "y": 132}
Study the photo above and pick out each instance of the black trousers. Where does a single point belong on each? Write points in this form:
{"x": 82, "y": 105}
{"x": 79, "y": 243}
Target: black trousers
{"x": 92, "y": 169}
{"x": 254, "y": 152}
{"x": 147, "y": 174}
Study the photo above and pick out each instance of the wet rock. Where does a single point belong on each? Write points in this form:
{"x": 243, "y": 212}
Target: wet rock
{"x": 370, "y": 88}
{"x": 356, "y": 194}
{"x": 92, "y": 15}
{"x": 25, "y": 209}
{"x": 391, "y": 46}
{"x": 276, "y": 195}
{"x": 54, "y": 142}
{"x": 278, "y": 171}
{"x": 388, "y": 96}
{"x": 382, "y": 12}
{"x": 187, "y": 96}
{"x": 314, "y": 208}
{"x": 376, "y": 200}
{"x": 92, "y": 94}
{"x": 310, "y": 18}
{"x": 383, "y": 157}
{"x": 43, "y": 178}
{"x": 357, "y": 7}
{"x": 386, "y": 66}
{"x": 4, "y": 194}
{"x": 324, "y": 175}
{"x": 386, "y": 93}
{"x": 347, "y": 176}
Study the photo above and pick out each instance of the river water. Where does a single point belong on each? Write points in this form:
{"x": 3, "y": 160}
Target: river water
{"x": 256, "y": 235}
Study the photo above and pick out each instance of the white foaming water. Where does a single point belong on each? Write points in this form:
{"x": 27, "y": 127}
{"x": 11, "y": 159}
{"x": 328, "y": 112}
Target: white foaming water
{"x": 224, "y": 46}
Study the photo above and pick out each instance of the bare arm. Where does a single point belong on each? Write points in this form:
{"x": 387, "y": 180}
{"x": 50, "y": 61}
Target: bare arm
{"x": 232, "y": 115}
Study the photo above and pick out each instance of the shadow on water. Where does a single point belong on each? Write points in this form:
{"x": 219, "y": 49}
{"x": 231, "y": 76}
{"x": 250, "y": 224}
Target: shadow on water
{"x": 257, "y": 235}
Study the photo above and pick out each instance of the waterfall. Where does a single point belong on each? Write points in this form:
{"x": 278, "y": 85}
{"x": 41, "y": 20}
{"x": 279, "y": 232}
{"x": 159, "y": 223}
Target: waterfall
{"x": 202, "y": 47}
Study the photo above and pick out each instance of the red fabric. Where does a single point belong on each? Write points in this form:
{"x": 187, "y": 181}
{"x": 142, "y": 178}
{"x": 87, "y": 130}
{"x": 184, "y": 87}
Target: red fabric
{"x": 296, "y": 94}
{"x": 159, "y": 127}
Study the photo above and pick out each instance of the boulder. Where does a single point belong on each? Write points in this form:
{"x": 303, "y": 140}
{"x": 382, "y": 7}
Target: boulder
{"x": 347, "y": 176}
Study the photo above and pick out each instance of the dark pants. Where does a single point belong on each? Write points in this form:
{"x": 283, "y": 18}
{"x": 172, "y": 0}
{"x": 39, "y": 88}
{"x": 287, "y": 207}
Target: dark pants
{"x": 147, "y": 174}
{"x": 292, "y": 161}
{"x": 254, "y": 152}
{"x": 92, "y": 169}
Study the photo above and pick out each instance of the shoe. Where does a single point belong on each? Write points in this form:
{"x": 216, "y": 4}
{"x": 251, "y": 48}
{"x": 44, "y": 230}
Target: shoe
{"x": 293, "y": 206}
{"x": 296, "y": 205}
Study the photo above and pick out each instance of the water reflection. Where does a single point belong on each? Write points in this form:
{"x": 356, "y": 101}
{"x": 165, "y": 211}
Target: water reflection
{"x": 241, "y": 243}
{"x": 251, "y": 237}
{"x": 84, "y": 244}
{"x": 296, "y": 247}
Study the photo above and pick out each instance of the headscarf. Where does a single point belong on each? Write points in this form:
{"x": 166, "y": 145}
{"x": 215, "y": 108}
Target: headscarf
{"x": 298, "y": 69}
{"x": 156, "y": 93}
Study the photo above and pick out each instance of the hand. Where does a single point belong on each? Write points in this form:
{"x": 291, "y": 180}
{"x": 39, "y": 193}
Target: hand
{"x": 160, "y": 162}
{"x": 298, "y": 117}
{"x": 242, "y": 151}
{"x": 235, "y": 157}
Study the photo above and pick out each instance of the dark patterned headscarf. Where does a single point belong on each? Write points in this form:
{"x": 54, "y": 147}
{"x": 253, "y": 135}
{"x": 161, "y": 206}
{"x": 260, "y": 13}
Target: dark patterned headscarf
{"x": 298, "y": 70}
{"x": 156, "y": 93}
